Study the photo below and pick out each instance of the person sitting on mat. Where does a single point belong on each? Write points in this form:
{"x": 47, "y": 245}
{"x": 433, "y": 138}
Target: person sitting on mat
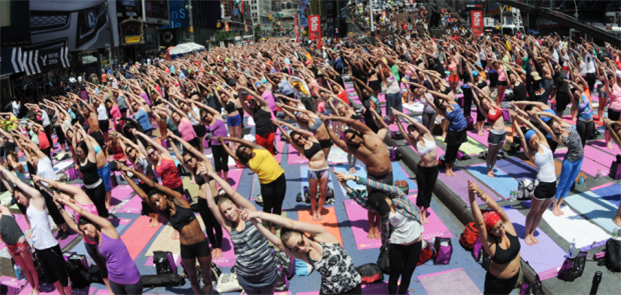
{"x": 313, "y": 244}
{"x": 171, "y": 204}
{"x": 256, "y": 268}
{"x": 318, "y": 170}
{"x": 500, "y": 241}
{"x": 123, "y": 275}
{"x": 369, "y": 148}
{"x": 538, "y": 152}
{"x": 427, "y": 171}
{"x": 398, "y": 213}
{"x": 616, "y": 136}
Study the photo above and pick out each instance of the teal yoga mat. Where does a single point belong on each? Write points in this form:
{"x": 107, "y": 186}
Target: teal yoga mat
{"x": 595, "y": 208}
{"x": 501, "y": 184}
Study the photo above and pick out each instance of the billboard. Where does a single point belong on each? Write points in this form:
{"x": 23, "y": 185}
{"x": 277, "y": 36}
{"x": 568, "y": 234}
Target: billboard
{"x": 304, "y": 12}
{"x": 15, "y": 23}
{"x": 179, "y": 16}
{"x": 314, "y": 27}
{"x": 476, "y": 19}
{"x": 156, "y": 12}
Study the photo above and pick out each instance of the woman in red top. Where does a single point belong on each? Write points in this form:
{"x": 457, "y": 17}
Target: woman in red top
{"x": 44, "y": 143}
{"x": 114, "y": 147}
{"x": 498, "y": 133}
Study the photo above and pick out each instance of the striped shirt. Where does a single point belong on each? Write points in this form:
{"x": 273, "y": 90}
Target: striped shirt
{"x": 253, "y": 252}
{"x": 121, "y": 268}
{"x": 402, "y": 204}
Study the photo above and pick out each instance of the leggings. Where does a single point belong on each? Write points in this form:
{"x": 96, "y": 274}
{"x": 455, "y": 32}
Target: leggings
{"x": 590, "y": 78}
{"x": 584, "y": 130}
{"x": 274, "y": 194}
{"x": 451, "y": 153}
{"x": 220, "y": 158}
{"x": 119, "y": 289}
{"x": 494, "y": 285}
{"x": 429, "y": 119}
{"x": 403, "y": 260}
{"x": 569, "y": 172}
{"x": 351, "y": 160}
{"x": 425, "y": 179}
{"x": 211, "y": 223}
{"x": 93, "y": 252}
{"x": 468, "y": 97}
{"x": 98, "y": 197}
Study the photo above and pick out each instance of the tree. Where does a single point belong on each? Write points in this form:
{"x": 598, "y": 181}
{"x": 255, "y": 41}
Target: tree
{"x": 223, "y": 35}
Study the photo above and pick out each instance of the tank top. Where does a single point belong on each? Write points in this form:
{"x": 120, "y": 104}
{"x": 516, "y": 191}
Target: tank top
{"x": 457, "y": 121}
{"x": 182, "y": 217}
{"x": 217, "y": 129}
{"x": 545, "y": 165}
{"x": 314, "y": 149}
{"x": 493, "y": 118}
{"x": 430, "y": 145}
{"x": 40, "y": 224}
{"x": 615, "y": 98}
{"x": 89, "y": 173}
{"x": 117, "y": 152}
{"x": 121, "y": 268}
{"x": 585, "y": 111}
{"x": 502, "y": 76}
{"x": 263, "y": 121}
{"x": 187, "y": 131}
{"x": 9, "y": 230}
{"x": 90, "y": 208}
{"x": 338, "y": 274}
{"x": 230, "y": 107}
{"x": 575, "y": 151}
{"x": 265, "y": 166}
{"x": 503, "y": 256}
{"x": 253, "y": 252}
{"x": 405, "y": 229}
{"x": 169, "y": 173}
{"x": 43, "y": 141}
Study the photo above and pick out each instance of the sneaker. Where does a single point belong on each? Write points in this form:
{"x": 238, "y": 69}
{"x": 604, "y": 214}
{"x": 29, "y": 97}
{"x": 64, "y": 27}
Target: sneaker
{"x": 59, "y": 234}
{"x": 299, "y": 197}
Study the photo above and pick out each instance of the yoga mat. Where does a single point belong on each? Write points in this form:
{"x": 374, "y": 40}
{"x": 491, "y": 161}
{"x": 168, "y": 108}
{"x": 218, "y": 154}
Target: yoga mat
{"x": 48, "y": 289}
{"x": 359, "y": 224}
{"x": 337, "y": 156}
{"x": 459, "y": 185}
{"x": 120, "y": 193}
{"x": 517, "y": 168}
{"x": 588, "y": 166}
{"x": 330, "y": 221}
{"x": 228, "y": 253}
{"x": 599, "y": 156}
{"x": 546, "y": 257}
{"x": 502, "y": 184}
{"x": 191, "y": 187}
{"x": 256, "y": 187}
{"x": 360, "y": 172}
{"x": 68, "y": 240}
{"x": 138, "y": 235}
{"x": 62, "y": 165}
{"x": 280, "y": 146}
{"x": 435, "y": 227}
{"x": 134, "y": 206}
{"x": 610, "y": 193}
{"x": 472, "y": 147}
{"x": 601, "y": 144}
{"x": 447, "y": 282}
{"x": 399, "y": 174}
{"x": 481, "y": 139}
{"x": 594, "y": 208}
{"x": 163, "y": 242}
{"x": 304, "y": 178}
{"x": 294, "y": 157}
{"x": 573, "y": 226}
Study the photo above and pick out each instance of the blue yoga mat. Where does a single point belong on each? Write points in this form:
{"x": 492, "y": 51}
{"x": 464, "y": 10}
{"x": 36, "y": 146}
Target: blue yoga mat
{"x": 595, "y": 208}
{"x": 611, "y": 193}
{"x": 517, "y": 168}
{"x": 304, "y": 178}
{"x": 502, "y": 183}
{"x": 360, "y": 172}
{"x": 399, "y": 174}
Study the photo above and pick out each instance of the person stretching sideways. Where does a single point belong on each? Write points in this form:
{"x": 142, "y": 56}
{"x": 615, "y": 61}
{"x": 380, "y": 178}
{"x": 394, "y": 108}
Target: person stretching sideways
{"x": 615, "y": 133}
{"x": 369, "y": 148}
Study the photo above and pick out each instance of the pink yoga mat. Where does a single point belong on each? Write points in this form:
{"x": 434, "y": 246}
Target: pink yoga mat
{"x": 435, "y": 227}
{"x": 294, "y": 157}
{"x": 228, "y": 253}
{"x": 459, "y": 185}
{"x": 280, "y": 146}
{"x": 234, "y": 177}
{"x": 120, "y": 193}
{"x": 138, "y": 235}
{"x": 437, "y": 283}
{"x": 21, "y": 221}
{"x": 394, "y": 127}
{"x": 48, "y": 289}
{"x": 67, "y": 241}
{"x": 134, "y": 206}
{"x": 601, "y": 144}
{"x": 588, "y": 166}
{"x": 599, "y": 156}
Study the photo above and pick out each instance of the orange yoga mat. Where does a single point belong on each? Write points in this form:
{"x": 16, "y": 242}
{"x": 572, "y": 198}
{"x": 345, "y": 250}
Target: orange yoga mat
{"x": 139, "y": 235}
{"x": 329, "y": 221}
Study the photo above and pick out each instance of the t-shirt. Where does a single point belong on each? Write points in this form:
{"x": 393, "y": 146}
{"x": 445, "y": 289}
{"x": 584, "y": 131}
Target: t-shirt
{"x": 104, "y": 78}
{"x": 43, "y": 141}
{"x": 102, "y": 113}
{"x": 46, "y": 170}
{"x": 45, "y": 119}
{"x": 265, "y": 165}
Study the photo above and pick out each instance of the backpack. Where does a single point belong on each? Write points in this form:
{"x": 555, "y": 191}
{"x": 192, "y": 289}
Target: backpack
{"x": 383, "y": 260}
{"x": 612, "y": 258}
{"x": 286, "y": 263}
{"x": 469, "y": 236}
{"x": 394, "y": 153}
{"x": 480, "y": 256}
{"x": 370, "y": 273}
{"x": 573, "y": 267}
{"x": 164, "y": 262}
{"x": 444, "y": 250}
{"x": 77, "y": 267}
{"x": 427, "y": 253}
{"x": 470, "y": 122}
{"x": 164, "y": 280}
{"x": 526, "y": 188}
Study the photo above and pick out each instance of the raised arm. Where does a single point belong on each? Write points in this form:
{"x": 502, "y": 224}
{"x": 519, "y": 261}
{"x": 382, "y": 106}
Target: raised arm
{"x": 164, "y": 152}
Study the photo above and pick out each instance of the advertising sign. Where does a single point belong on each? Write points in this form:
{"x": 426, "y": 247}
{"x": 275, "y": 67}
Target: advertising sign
{"x": 132, "y": 31}
{"x": 179, "y": 16}
{"x": 304, "y": 11}
{"x": 15, "y": 23}
{"x": 314, "y": 27}
{"x": 33, "y": 62}
{"x": 156, "y": 11}
{"x": 297, "y": 33}
{"x": 476, "y": 18}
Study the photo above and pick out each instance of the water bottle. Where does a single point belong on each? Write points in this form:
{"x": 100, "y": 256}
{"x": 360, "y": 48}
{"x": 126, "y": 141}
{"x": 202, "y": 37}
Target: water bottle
{"x": 19, "y": 272}
{"x": 581, "y": 180}
{"x": 615, "y": 232}
{"x": 572, "y": 248}
{"x": 598, "y": 174}
{"x": 223, "y": 113}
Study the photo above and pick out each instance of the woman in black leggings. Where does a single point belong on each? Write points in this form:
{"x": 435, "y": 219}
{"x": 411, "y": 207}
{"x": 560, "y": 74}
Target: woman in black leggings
{"x": 87, "y": 161}
{"x": 191, "y": 157}
{"x": 271, "y": 175}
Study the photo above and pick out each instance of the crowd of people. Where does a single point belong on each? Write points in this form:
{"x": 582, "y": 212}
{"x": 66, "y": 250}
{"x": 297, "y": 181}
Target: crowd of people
{"x": 140, "y": 122}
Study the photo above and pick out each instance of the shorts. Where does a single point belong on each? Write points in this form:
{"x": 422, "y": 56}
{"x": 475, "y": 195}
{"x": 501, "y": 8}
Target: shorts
{"x": 104, "y": 125}
{"x": 266, "y": 141}
{"x": 200, "y": 130}
{"x": 375, "y": 85}
{"x": 60, "y": 135}
{"x": 198, "y": 250}
{"x": 104, "y": 173}
{"x": 19, "y": 248}
{"x": 326, "y": 143}
{"x": 385, "y": 179}
{"x": 194, "y": 142}
{"x": 495, "y": 139}
{"x": 98, "y": 136}
{"x": 53, "y": 265}
{"x": 233, "y": 121}
{"x": 318, "y": 173}
{"x": 453, "y": 79}
{"x": 545, "y": 191}
{"x": 502, "y": 83}
{"x": 612, "y": 115}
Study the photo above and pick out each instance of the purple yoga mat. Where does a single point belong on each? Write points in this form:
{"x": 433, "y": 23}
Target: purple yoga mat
{"x": 482, "y": 139}
{"x": 436, "y": 283}
{"x": 459, "y": 185}
{"x": 134, "y": 206}
{"x": 588, "y": 166}
{"x": 68, "y": 240}
{"x": 546, "y": 257}
{"x": 228, "y": 253}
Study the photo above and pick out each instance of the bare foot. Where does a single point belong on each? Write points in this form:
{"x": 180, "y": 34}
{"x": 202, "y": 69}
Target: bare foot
{"x": 378, "y": 236}
{"x": 314, "y": 216}
{"x": 175, "y": 235}
{"x": 371, "y": 234}
{"x": 529, "y": 241}
{"x": 556, "y": 211}
{"x": 213, "y": 253}
{"x": 535, "y": 240}
{"x": 319, "y": 217}
{"x": 480, "y": 133}
{"x": 35, "y": 292}
{"x": 490, "y": 174}
{"x": 423, "y": 219}
{"x": 352, "y": 170}
{"x": 610, "y": 146}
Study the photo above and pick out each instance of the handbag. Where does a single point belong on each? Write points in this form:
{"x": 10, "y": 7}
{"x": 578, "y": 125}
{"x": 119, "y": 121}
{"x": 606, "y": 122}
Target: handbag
{"x": 573, "y": 267}
{"x": 427, "y": 253}
{"x": 228, "y": 283}
{"x": 615, "y": 169}
{"x": 383, "y": 260}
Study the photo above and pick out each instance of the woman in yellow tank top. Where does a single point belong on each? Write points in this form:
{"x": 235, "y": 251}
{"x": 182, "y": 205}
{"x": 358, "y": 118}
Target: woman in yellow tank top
{"x": 271, "y": 175}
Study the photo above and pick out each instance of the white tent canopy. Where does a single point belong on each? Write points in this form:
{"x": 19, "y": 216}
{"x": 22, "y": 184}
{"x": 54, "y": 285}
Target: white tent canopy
{"x": 186, "y": 48}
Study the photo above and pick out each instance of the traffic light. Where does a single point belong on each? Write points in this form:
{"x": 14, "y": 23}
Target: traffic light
{"x": 218, "y": 24}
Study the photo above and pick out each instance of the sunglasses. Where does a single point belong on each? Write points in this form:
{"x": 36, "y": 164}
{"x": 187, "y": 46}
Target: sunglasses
{"x": 187, "y": 162}
{"x": 134, "y": 105}
{"x": 498, "y": 229}
{"x": 152, "y": 153}
{"x": 129, "y": 150}
{"x": 298, "y": 139}
{"x": 353, "y": 135}
{"x": 300, "y": 244}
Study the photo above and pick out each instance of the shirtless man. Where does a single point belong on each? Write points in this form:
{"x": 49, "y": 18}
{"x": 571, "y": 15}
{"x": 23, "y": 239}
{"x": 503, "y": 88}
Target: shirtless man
{"x": 89, "y": 113}
{"x": 369, "y": 147}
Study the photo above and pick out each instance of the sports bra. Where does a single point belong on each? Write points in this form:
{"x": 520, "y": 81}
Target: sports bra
{"x": 230, "y": 107}
{"x": 183, "y": 216}
{"x": 503, "y": 256}
{"x": 316, "y": 124}
{"x": 493, "y": 118}
{"x": 430, "y": 145}
{"x": 314, "y": 149}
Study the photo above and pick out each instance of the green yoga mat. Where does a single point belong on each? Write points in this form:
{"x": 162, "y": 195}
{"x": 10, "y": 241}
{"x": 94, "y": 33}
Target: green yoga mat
{"x": 7, "y": 196}
{"x": 471, "y": 147}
